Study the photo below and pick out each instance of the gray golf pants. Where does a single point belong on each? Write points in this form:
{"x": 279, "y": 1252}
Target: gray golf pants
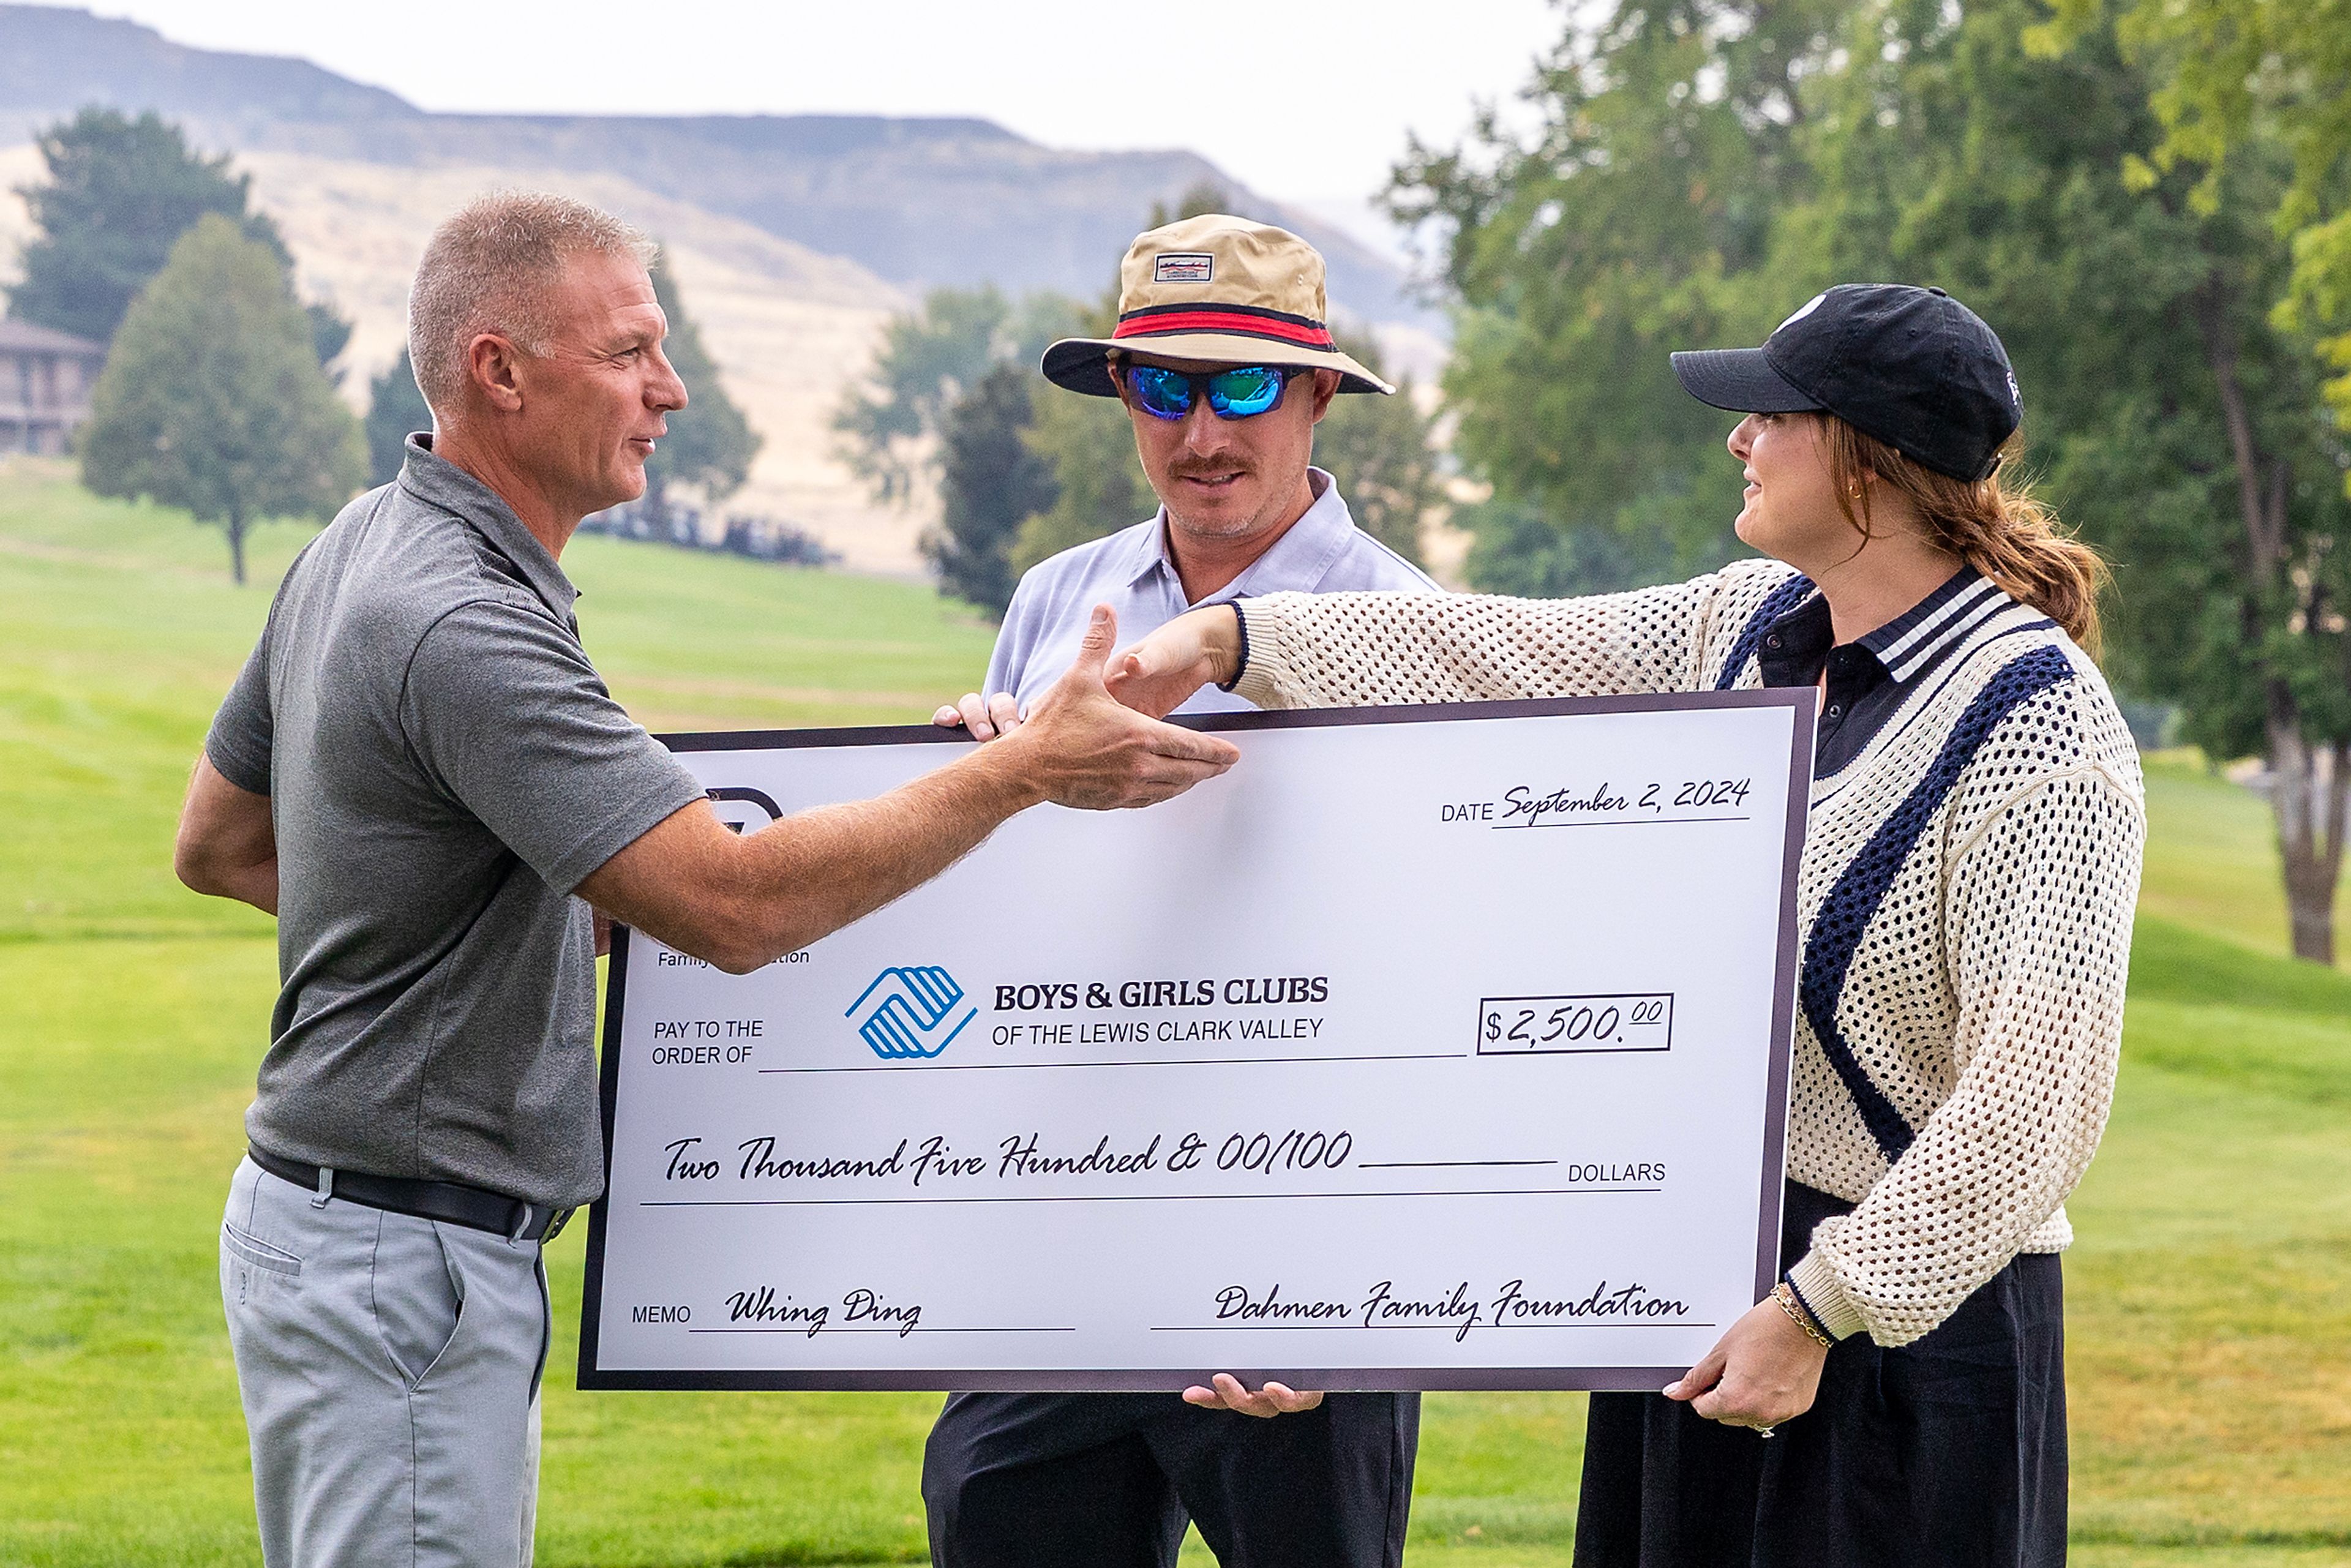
{"x": 390, "y": 1371}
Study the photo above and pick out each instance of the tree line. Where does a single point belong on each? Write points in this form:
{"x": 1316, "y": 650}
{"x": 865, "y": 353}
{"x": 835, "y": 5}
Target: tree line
{"x": 219, "y": 394}
{"x": 2150, "y": 200}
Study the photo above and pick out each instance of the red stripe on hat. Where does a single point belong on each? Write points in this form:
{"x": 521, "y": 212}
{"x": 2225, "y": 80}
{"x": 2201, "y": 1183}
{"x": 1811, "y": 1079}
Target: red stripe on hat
{"x": 1245, "y": 324}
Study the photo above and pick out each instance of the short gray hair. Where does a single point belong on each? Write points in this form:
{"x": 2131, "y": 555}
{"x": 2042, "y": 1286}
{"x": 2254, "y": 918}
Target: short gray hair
{"x": 489, "y": 269}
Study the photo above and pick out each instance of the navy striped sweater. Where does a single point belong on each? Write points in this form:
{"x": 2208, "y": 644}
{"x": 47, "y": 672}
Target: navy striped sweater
{"x": 1971, "y": 865}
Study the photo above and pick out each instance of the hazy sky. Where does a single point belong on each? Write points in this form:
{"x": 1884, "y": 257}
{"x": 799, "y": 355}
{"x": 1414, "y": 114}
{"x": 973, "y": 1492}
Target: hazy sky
{"x": 1307, "y": 100}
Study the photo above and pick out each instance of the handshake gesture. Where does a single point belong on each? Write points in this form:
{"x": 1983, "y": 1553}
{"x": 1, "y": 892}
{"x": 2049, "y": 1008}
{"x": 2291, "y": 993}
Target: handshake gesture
{"x": 1106, "y": 756}
{"x": 1158, "y": 674}
{"x": 1096, "y": 740}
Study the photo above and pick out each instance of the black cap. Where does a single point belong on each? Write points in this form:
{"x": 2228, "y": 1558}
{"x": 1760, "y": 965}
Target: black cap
{"x": 1912, "y": 367}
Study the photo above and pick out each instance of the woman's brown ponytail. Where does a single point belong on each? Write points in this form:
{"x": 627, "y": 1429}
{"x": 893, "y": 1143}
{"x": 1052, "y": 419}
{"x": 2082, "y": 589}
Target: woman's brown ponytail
{"x": 1997, "y": 525}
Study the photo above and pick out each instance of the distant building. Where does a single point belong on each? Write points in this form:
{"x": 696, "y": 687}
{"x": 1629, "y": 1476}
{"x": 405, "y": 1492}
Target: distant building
{"x": 45, "y": 381}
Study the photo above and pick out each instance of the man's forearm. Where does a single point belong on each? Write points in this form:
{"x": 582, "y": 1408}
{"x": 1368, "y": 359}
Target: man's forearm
{"x": 254, "y": 885}
{"x": 811, "y": 875}
{"x": 247, "y": 882}
{"x": 743, "y": 902}
{"x": 226, "y": 845}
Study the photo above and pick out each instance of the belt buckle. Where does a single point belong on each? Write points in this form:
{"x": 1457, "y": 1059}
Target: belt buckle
{"x": 557, "y": 1219}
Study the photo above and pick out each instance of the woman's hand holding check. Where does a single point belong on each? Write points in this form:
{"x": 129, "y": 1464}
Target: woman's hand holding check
{"x": 1764, "y": 1371}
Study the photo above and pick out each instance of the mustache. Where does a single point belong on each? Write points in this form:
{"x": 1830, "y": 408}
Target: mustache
{"x": 1202, "y": 467}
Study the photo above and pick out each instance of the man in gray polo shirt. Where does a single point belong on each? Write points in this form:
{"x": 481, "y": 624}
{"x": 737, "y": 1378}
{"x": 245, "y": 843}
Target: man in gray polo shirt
{"x": 1222, "y": 360}
{"x": 420, "y": 772}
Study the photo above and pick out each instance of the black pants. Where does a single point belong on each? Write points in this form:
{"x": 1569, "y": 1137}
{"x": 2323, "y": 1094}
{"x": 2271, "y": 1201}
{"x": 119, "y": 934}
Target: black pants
{"x": 1949, "y": 1450}
{"x": 1106, "y": 1481}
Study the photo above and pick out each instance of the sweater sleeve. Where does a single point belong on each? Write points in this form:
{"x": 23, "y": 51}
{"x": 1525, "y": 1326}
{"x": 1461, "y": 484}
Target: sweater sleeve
{"x": 1349, "y": 649}
{"x": 2037, "y": 925}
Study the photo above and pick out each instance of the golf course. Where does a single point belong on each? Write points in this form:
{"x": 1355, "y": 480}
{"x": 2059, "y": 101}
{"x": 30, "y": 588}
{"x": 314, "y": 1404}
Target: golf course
{"x": 2208, "y": 1294}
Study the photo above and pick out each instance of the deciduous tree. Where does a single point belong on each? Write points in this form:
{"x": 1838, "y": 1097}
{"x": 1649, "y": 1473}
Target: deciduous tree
{"x": 888, "y": 428}
{"x": 1378, "y": 449}
{"x": 2264, "y": 80}
{"x": 1635, "y": 217}
{"x": 2178, "y": 420}
{"x": 1702, "y": 169}
{"x": 1088, "y": 446}
{"x": 213, "y": 399}
{"x": 710, "y": 445}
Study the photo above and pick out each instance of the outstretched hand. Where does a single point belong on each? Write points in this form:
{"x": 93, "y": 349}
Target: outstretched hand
{"x": 1198, "y": 648}
{"x": 1086, "y": 750}
{"x": 1273, "y": 1399}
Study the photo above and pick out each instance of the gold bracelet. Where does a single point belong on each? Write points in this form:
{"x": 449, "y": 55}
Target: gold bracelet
{"x": 1785, "y": 1295}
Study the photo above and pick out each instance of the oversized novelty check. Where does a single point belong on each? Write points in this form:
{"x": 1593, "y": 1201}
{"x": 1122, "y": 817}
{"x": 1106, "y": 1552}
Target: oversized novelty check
{"x": 1428, "y": 1047}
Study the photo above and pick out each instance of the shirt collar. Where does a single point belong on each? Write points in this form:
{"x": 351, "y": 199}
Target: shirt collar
{"x": 1298, "y": 560}
{"x": 439, "y": 482}
{"x": 1918, "y": 638}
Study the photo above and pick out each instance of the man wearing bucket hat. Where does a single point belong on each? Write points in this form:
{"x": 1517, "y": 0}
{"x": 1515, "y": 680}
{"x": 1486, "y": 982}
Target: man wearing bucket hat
{"x": 1223, "y": 360}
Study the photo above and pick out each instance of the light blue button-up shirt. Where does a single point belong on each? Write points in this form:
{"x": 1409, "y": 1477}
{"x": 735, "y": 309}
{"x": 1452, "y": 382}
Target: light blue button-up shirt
{"x": 1322, "y": 552}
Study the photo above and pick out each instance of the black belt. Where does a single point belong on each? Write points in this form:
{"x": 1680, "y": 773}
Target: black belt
{"x": 442, "y": 1200}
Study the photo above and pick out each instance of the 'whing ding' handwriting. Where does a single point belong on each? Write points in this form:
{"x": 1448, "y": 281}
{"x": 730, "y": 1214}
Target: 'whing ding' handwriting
{"x": 758, "y": 1305}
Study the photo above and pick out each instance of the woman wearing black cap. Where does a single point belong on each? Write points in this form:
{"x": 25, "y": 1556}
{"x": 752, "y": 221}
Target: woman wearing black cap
{"x": 1970, "y": 869}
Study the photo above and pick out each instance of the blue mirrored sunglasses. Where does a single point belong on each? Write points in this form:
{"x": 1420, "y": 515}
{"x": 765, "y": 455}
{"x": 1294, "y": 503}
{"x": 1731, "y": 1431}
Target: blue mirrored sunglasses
{"x": 1237, "y": 394}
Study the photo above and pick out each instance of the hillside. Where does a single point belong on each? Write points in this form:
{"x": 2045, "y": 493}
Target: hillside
{"x": 793, "y": 237}
{"x": 788, "y": 326}
{"x": 921, "y": 203}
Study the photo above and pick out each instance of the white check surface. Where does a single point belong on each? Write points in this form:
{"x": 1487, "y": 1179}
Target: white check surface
{"x": 1447, "y": 1052}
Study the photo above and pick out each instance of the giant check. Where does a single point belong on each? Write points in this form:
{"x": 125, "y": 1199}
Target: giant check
{"x": 1439, "y": 1047}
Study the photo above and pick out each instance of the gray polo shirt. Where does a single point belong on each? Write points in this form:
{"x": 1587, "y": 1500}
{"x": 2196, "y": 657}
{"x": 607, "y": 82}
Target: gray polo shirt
{"x": 1322, "y": 552}
{"x": 443, "y": 766}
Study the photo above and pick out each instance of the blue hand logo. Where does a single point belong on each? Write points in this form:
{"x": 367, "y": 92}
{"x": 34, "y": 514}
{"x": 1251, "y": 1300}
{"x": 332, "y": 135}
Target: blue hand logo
{"x": 910, "y": 1012}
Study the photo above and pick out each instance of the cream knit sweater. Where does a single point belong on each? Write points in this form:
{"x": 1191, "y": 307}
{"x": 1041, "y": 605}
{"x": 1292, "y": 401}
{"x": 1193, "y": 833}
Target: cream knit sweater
{"x": 1965, "y": 899}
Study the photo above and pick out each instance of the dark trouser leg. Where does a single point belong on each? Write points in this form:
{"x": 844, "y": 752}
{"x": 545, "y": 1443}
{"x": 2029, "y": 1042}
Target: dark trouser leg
{"x": 1329, "y": 1487}
{"x": 1948, "y": 1452}
{"x": 1625, "y": 1518}
{"x": 1048, "y": 1481}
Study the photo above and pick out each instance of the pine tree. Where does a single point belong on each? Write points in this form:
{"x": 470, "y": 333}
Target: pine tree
{"x": 119, "y": 194}
{"x": 396, "y": 407}
{"x": 990, "y": 482}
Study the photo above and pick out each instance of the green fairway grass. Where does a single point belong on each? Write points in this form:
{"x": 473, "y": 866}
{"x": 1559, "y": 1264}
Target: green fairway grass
{"x": 2210, "y": 1291}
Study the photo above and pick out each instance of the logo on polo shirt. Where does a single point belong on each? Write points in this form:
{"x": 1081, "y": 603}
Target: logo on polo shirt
{"x": 910, "y": 1012}
{"x": 1183, "y": 267}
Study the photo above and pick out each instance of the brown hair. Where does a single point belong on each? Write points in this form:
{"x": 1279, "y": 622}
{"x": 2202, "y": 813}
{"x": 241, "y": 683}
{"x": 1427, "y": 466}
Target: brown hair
{"x": 1996, "y": 524}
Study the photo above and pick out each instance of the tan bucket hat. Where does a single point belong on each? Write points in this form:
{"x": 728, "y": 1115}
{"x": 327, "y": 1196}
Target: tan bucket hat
{"x": 1215, "y": 289}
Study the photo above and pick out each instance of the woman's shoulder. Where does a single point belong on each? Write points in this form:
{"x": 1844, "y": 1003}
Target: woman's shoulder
{"x": 2030, "y": 706}
{"x": 1743, "y": 599}
{"x": 1742, "y": 588}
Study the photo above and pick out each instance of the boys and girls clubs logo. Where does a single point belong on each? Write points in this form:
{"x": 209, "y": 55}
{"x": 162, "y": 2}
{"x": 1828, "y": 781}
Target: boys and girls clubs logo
{"x": 911, "y": 1012}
